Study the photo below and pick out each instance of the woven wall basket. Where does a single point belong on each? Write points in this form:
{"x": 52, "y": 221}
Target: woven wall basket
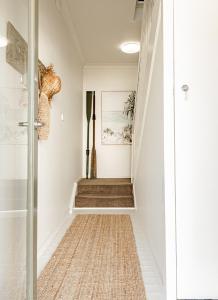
{"x": 50, "y": 84}
{"x": 44, "y": 117}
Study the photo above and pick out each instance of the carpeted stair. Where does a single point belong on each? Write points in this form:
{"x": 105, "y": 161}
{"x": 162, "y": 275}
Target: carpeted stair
{"x": 105, "y": 192}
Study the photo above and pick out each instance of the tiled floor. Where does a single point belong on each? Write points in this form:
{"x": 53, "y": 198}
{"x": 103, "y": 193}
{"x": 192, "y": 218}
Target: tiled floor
{"x": 153, "y": 285}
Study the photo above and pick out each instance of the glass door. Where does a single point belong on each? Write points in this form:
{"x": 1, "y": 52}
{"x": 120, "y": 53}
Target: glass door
{"x": 18, "y": 148}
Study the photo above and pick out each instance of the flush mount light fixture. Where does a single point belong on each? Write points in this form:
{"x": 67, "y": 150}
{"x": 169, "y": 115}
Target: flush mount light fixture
{"x": 3, "y": 41}
{"x": 130, "y": 47}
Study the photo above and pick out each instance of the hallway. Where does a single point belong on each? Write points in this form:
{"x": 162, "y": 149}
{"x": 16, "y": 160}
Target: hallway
{"x": 108, "y": 149}
{"x": 82, "y": 238}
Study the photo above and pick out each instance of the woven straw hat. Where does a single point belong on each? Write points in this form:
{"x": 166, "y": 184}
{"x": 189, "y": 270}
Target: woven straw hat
{"x": 51, "y": 83}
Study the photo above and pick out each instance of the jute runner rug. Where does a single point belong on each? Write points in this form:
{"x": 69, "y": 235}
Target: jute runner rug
{"x": 97, "y": 260}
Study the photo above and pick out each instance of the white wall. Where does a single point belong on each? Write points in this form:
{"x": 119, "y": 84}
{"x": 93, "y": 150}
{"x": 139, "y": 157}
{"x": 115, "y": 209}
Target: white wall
{"x": 112, "y": 161}
{"x": 149, "y": 172}
{"x": 60, "y": 162}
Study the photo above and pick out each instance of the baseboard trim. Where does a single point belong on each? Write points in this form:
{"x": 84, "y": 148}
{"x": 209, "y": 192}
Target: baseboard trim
{"x": 134, "y": 195}
{"x": 48, "y": 248}
{"x": 73, "y": 196}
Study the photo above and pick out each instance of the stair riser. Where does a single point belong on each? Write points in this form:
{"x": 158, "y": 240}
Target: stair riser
{"x": 99, "y": 203}
{"x": 105, "y": 190}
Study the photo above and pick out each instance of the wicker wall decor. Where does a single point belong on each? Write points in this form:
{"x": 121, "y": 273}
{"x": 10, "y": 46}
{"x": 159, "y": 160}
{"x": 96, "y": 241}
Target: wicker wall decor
{"x": 43, "y": 117}
{"x": 49, "y": 85}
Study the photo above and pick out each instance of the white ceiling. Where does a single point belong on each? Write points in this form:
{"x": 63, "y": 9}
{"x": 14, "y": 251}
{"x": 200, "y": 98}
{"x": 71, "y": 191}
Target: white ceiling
{"x": 100, "y": 26}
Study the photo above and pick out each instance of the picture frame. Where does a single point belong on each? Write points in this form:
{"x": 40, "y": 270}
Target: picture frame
{"x": 116, "y": 122}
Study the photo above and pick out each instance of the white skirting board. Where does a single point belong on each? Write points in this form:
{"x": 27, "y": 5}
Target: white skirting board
{"x": 73, "y": 196}
{"x": 49, "y": 247}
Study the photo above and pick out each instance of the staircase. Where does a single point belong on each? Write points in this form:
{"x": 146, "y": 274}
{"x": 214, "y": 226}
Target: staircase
{"x": 105, "y": 192}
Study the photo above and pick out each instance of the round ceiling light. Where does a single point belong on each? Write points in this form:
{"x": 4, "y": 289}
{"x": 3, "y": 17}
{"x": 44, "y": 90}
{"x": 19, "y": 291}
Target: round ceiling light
{"x": 3, "y": 42}
{"x": 130, "y": 47}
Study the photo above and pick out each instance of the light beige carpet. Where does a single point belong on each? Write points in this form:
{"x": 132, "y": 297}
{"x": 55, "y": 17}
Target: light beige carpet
{"x": 97, "y": 260}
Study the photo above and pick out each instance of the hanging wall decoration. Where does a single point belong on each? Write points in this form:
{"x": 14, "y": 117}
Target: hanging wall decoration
{"x": 50, "y": 84}
{"x": 117, "y": 117}
{"x": 17, "y": 50}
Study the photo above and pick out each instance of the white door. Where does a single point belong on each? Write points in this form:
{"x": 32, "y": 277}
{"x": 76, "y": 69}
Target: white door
{"x": 18, "y": 149}
{"x": 196, "y": 125}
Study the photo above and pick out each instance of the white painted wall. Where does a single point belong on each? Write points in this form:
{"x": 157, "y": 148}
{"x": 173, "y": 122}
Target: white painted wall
{"x": 60, "y": 160}
{"x": 113, "y": 161}
{"x": 149, "y": 169}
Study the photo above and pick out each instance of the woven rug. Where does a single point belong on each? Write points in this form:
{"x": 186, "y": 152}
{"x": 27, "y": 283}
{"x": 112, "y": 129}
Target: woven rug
{"x": 97, "y": 260}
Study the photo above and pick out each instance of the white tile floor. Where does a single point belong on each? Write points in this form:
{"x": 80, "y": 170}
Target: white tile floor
{"x": 153, "y": 283}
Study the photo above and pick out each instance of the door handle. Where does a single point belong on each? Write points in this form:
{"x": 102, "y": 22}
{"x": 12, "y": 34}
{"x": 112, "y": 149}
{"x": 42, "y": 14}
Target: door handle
{"x": 37, "y": 124}
{"x": 23, "y": 124}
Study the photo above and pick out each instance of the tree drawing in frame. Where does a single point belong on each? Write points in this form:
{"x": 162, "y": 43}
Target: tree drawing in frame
{"x": 117, "y": 117}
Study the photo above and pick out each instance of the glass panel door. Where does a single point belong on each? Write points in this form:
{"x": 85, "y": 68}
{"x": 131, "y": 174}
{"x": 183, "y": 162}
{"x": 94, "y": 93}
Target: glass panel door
{"x": 18, "y": 149}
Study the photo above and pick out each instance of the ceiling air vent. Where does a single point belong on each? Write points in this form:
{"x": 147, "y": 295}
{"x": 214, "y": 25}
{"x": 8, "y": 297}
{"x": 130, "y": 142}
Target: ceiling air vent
{"x": 139, "y": 2}
{"x": 138, "y": 9}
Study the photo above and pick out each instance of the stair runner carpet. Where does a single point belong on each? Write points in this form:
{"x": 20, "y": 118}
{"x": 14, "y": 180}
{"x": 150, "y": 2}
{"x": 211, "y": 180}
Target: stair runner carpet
{"x": 97, "y": 259}
{"x": 105, "y": 192}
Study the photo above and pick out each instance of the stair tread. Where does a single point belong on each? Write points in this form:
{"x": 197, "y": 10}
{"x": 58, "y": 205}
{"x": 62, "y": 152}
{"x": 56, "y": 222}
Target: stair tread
{"x": 104, "y": 196}
{"x": 105, "y": 182}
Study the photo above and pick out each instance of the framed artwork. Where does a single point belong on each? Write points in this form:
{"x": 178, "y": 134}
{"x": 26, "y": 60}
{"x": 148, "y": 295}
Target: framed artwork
{"x": 17, "y": 50}
{"x": 117, "y": 113}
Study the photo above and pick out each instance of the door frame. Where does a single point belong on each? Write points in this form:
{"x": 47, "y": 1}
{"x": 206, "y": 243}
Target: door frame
{"x": 31, "y": 266}
{"x": 169, "y": 149}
